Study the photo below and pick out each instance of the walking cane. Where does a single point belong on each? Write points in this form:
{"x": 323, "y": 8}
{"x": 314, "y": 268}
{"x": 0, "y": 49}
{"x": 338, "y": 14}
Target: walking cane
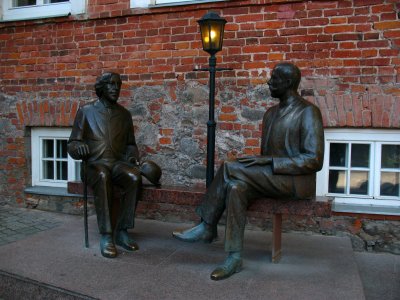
{"x": 85, "y": 200}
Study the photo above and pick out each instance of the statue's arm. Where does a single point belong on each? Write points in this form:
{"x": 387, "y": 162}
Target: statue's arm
{"x": 263, "y": 159}
{"x": 77, "y": 147}
{"x": 311, "y": 156}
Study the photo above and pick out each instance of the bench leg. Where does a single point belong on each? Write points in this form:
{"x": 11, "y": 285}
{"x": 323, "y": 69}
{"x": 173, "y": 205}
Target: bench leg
{"x": 276, "y": 237}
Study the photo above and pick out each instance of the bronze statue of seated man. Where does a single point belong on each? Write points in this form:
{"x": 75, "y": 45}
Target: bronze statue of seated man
{"x": 292, "y": 149}
{"x": 103, "y": 135}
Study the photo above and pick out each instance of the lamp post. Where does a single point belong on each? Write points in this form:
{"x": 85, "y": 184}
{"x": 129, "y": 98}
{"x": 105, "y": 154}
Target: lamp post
{"x": 212, "y": 36}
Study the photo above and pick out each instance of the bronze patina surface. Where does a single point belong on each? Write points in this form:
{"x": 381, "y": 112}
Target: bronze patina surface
{"x": 103, "y": 135}
{"x": 292, "y": 149}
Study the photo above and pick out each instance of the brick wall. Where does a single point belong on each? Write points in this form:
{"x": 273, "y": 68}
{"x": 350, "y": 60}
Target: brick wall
{"x": 348, "y": 52}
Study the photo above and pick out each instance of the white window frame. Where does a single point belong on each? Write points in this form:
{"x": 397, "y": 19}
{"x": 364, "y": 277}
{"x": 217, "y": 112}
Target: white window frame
{"x": 372, "y": 203}
{"x": 37, "y": 135}
{"x": 155, "y": 3}
{"x": 42, "y": 10}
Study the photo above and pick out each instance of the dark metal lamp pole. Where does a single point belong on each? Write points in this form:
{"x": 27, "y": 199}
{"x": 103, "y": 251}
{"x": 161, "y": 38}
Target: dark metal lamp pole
{"x": 212, "y": 36}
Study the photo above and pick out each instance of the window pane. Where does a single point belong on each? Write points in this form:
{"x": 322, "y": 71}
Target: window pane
{"x": 337, "y": 181}
{"x": 360, "y": 155}
{"x": 338, "y": 153}
{"x": 48, "y": 148}
{"x": 54, "y": 1}
{"x": 390, "y": 156}
{"x": 390, "y": 182}
{"x": 61, "y": 148}
{"x": 48, "y": 169}
{"x": 62, "y": 171}
{"x": 19, "y": 3}
{"x": 359, "y": 182}
{"x": 78, "y": 166}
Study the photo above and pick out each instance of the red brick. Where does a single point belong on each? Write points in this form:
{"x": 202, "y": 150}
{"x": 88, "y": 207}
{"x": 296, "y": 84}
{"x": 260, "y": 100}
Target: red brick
{"x": 252, "y": 142}
{"x": 270, "y": 25}
{"x": 167, "y": 131}
{"x": 338, "y": 12}
{"x": 249, "y": 18}
{"x": 375, "y": 62}
{"x": 321, "y": 5}
{"x": 285, "y": 14}
{"x": 346, "y": 53}
{"x": 338, "y": 20}
{"x": 387, "y": 25}
{"x": 227, "y": 117}
{"x": 388, "y": 16}
{"x": 371, "y": 36}
{"x": 373, "y": 44}
{"x": 339, "y": 29}
{"x": 314, "y": 22}
{"x": 382, "y": 8}
{"x": 303, "y": 39}
{"x": 293, "y": 31}
{"x": 389, "y": 52}
{"x": 363, "y": 27}
{"x": 165, "y": 141}
{"x": 276, "y": 56}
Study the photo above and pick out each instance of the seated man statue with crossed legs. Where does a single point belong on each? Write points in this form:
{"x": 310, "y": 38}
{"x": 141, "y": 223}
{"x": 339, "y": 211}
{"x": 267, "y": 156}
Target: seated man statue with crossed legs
{"x": 292, "y": 149}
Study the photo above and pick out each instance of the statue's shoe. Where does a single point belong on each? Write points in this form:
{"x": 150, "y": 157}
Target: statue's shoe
{"x": 125, "y": 241}
{"x": 107, "y": 246}
{"x": 231, "y": 266}
{"x": 202, "y": 232}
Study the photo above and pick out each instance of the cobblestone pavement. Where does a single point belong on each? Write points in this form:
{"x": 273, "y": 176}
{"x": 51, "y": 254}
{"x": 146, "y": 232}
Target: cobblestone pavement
{"x": 18, "y": 223}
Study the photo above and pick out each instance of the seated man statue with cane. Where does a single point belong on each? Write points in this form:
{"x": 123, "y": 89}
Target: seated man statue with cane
{"x": 292, "y": 149}
{"x": 103, "y": 136}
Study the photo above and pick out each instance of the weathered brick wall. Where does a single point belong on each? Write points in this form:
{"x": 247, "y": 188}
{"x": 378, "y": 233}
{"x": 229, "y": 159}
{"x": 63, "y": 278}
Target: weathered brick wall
{"x": 348, "y": 52}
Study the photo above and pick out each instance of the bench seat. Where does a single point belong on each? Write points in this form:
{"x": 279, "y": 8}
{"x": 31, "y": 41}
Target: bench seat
{"x": 187, "y": 198}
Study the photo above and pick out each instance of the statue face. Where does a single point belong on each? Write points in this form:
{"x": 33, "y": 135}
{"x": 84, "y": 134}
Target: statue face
{"x": 112, "y": 89}
{"x": 277, "y": 84}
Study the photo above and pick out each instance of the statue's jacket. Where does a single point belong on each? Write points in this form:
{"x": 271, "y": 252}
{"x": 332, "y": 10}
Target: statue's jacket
{"x": 293, "y": 136}
{"x": 103, "y": 129}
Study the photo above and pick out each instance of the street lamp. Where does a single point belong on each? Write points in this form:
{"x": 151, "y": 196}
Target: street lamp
{"x": 212, "y": 37}
{"x": 212, "y": 32}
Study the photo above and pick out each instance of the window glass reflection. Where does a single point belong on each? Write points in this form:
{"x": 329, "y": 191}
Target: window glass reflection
{"x": 390, "y": 182}
{"x": 390, "y": 156}
{"x": 359, "y": 182}
{"x": 61, "y": 148}
{"x": 78, "y": 166}
{"x": 48, "y": 169}
{"x": 48, "y": 148}
{"x": 62, "y": 168}
{"x": 19, "y": 3}
{"x": 338, "y": 153}
{"x": 360, "y": 155}
{"x": 337, "y": 181}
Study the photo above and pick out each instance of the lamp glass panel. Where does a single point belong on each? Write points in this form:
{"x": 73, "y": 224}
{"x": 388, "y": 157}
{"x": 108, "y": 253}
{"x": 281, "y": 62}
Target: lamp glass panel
{"x": 211, "y": 35}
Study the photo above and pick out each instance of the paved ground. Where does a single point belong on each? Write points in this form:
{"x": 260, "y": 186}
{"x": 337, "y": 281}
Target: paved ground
{"x": 46, "y": 249}
{"x": 17, "y": 224}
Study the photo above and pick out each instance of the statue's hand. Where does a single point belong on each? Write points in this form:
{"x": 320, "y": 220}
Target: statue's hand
{"x": 255, "y": 160}
{"x": 83, "y": 151}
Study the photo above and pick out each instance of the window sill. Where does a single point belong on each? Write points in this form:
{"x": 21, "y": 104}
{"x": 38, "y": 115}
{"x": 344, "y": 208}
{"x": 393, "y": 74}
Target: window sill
{"x": 49, "y": 191}
{"x": 179, "y": 3}
{"x": 364, "y": 206}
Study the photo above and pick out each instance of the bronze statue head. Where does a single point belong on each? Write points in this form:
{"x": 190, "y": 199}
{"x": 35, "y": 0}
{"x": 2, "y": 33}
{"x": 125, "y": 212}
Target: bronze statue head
{"x": 108, "y": 87}
{"x": 284, "y": 77}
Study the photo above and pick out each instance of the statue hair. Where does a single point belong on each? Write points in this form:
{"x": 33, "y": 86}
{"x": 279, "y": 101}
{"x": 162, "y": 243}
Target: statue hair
{"x": 101, "y": 81}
